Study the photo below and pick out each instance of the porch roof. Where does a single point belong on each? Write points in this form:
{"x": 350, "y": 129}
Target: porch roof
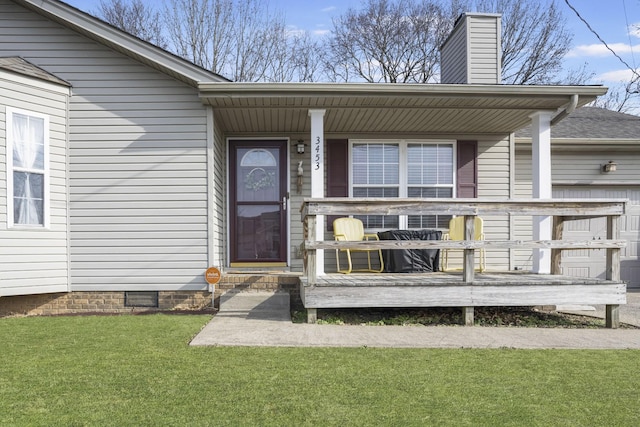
{"x": 275, "y": 108}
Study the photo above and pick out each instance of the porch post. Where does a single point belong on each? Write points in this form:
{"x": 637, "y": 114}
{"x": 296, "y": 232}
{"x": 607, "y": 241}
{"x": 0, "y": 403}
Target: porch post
{"x": 317, "y": 176}
{"x": 541, "y": 177}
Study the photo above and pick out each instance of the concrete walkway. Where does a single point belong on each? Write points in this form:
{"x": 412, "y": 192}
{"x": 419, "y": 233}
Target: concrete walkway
{"x": 263, "y": 319}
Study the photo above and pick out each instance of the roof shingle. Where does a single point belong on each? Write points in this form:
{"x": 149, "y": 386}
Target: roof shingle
{"x": 20, "y": 66}
{"x": 593, "y": 122}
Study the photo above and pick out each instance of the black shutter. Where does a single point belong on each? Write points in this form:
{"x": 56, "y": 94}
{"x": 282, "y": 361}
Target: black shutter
{"x": 467, "y": 174}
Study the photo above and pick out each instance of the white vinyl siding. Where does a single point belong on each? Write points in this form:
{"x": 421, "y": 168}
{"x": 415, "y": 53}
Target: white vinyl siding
{"x": 138, "y": 161}
{"x": 34, "y": 259}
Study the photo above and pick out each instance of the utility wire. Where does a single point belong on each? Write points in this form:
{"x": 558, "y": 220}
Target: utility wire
{"x": 635, "y": 73}
{"x": 626, "y": 21}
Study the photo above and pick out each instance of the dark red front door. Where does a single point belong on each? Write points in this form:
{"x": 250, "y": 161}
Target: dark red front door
{"x": 258, "y": 201}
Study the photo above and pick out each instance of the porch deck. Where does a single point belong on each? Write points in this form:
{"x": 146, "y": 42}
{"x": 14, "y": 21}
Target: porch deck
{"x": 446, "y": 289}
{"x": 468, "y": 288}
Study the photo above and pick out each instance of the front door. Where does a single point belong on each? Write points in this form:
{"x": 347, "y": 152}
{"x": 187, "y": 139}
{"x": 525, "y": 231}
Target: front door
{"x": 258, "y": 202}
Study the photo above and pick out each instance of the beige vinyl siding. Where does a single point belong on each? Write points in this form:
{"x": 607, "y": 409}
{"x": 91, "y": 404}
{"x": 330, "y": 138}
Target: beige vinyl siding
{"x": 454, "y": 56}
{"x": 35, "y": 260}
{"x": 471, "y": 54}
{"x": 493, "y": 182}
{"x": 295, "y": 202}
{"x": 523, "y": 188}
{"x": 573, "y": 168}
{"x": 484, "y": 50}
{"x": 578, "y": 167}
{"x": 219, "y": 213}
{"x": 585, "y": 166}
{"x": 138, "y": 161}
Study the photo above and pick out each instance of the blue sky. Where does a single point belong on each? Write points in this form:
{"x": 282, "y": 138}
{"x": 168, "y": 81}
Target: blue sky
{"x": 613, "y": 20}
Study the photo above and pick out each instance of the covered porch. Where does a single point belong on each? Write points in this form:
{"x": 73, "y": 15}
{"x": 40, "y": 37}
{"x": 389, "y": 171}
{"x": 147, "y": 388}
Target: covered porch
{"x": 466, "y": 289}
{"x": 328, "y": 122}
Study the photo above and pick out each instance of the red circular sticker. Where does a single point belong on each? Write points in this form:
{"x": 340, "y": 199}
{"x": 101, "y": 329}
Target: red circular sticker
{"x": 212, "y": 275}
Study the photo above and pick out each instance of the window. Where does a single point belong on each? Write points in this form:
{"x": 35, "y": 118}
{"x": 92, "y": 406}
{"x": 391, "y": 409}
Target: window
{"x": 376, "y": 174}
{"x": 429, "y": 175}
{"x": 27, "y": 168}
{"x": 422, "y": 169}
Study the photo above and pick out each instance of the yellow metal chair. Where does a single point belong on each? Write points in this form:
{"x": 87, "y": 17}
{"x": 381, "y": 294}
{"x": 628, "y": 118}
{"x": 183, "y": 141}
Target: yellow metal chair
{"x": 352, "y": 230}
{"x": 456, "y": 232}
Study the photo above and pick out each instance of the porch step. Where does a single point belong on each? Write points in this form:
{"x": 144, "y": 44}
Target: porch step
{"x": 263, "y": 305}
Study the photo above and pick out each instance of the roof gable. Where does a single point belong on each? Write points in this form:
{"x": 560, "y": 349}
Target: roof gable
{"x": 120, "y": 41}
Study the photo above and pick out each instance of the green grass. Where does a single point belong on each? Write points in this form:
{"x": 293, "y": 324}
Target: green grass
{"x": 139, "y": 370}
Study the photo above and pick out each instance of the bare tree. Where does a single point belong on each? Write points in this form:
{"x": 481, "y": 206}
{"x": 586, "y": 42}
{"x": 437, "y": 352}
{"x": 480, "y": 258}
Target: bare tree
{"x": 197, "y": 30}
{"x": 259, "y": 40}
{"x": 307, "y": 56}
{"x": 395, "y": 41}
{"x": 135, "y": 17}
{"x": 398, "y": 41}
{"x": 620, "y": 98}
{"x": 242, "y": 40}
{"x": 534, "y": 39}
{"x": 387, "y": 41}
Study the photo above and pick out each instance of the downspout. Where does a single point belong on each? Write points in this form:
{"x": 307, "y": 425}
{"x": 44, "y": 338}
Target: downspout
{"x": 570, "y": 108}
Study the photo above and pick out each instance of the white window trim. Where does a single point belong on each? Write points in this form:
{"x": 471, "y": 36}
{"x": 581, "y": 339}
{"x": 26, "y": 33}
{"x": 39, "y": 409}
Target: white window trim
{"x": 10, "y": 111}
{"x": 403, "y": 165}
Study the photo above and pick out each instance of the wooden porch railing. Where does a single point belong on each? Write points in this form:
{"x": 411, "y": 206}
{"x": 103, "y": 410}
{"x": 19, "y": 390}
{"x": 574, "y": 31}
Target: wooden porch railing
{"x": 562, "y": 211}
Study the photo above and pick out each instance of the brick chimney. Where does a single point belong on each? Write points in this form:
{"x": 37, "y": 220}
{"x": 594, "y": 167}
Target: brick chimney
{"x": 471, "y": 54}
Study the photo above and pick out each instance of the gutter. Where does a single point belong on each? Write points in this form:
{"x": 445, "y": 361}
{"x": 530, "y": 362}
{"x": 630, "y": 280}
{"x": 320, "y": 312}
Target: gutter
{"x": 251, "y": 89}
{"x": 570, "y": 108}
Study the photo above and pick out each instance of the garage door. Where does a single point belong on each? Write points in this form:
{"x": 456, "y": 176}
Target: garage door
{"x": 591, "y": 263}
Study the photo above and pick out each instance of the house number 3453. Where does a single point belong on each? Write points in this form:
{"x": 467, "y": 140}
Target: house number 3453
{"x": 316, "y": 153}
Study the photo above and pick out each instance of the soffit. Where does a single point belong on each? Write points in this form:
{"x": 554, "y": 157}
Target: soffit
{"x": 384, "y": 108}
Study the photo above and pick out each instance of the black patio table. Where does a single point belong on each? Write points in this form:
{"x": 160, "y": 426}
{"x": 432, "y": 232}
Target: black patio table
{"x": 411, "y": 260}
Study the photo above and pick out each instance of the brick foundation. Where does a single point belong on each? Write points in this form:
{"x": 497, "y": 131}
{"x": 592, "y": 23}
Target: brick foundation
{"x": 97, "y": 302}
{"x": 80, "y": 302}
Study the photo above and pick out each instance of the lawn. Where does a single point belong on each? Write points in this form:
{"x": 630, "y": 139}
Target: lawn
{"x": 139, "y": 370}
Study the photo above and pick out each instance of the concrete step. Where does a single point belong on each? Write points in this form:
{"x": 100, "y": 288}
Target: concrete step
{"x": 264, "y": 305}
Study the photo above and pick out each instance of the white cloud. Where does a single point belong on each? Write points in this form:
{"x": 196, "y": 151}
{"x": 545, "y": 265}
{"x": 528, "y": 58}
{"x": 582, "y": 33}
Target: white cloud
{"x": 634, "y": 29}
{"x": 294, "y": 31}
{"x": 600, "y": 49}
{"x": 320, "y": 32}
{"x": 329, "y": 9}
{"x": 623, "y": 75}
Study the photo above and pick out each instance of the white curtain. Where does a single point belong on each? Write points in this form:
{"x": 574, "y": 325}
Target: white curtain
{"x": 28, "y": 169}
